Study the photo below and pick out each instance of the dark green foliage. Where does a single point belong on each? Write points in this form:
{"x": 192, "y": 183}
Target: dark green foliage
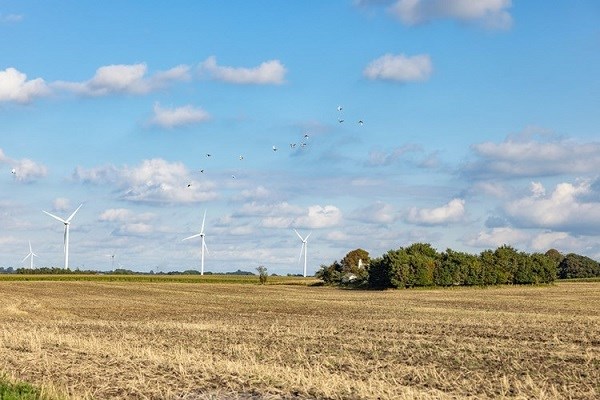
{"x": 350, "y": 271}
{"x": 576, "y": 266}
{"x": 420, "y": 265}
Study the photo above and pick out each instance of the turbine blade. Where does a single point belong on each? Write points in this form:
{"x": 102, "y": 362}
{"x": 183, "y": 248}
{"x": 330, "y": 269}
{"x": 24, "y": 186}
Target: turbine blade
{"x": 203, "y": 219}
{"x": 301, "y": 250}
{"x": 30, "y": 249}
{"x": 74, "y": 212}
{"x": 65, "y": 240}
{"x": 205, "y": 247}
{"x": 191, "y": 237}
{"x": 55, "y": 217}
{"x": 306, "y": 238}
{"x": 298, "y": 235}
{"x": 25, "y": 258}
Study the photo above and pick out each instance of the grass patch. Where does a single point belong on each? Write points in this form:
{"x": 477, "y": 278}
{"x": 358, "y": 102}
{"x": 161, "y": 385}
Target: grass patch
{"x": 17, "y": 391}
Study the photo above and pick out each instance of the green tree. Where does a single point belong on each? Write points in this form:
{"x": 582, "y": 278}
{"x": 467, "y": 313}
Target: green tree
{"x": 355, "y": 261}
{"x": 262, "y": 274}
{"x": 577, "y": 266}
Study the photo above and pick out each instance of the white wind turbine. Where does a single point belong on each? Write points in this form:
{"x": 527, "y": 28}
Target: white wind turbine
{"x": 30, "y": 256}
{"x": 67, "y": 223}
{"x": 202, "y": 245}
{"x": 304, "y": 247}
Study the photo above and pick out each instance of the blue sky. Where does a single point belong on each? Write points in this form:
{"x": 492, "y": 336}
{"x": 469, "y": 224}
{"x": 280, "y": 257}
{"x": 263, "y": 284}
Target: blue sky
{"x": 480, "y": 128}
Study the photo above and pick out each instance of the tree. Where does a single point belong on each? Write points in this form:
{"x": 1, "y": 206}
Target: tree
{"x": 355, "y": 260}
{"x": 576, "y": 266}
{"x": 262, "y": 274}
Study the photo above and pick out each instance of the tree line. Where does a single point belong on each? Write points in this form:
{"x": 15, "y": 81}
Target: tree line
{"x": 420, "y": 265}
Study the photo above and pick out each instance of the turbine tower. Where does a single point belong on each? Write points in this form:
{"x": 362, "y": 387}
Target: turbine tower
{"x": 202, "y": 245}
{"x": 67, "y": 223}
{"x": 304, "y": 247}
{"x": 30, "y": 256}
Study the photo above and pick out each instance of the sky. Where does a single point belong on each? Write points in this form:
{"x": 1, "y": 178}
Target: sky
{"x": 366, "y": 124}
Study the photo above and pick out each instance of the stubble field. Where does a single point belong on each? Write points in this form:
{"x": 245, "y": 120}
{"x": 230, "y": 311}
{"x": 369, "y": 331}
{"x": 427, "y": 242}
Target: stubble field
{"x": 166, "y": 340}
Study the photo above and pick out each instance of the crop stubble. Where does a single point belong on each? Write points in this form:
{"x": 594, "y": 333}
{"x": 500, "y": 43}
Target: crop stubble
{"x": 208, "y": 341}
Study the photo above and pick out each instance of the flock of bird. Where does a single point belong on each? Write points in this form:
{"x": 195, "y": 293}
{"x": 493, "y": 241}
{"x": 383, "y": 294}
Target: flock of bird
{"x": 302, "y": 144}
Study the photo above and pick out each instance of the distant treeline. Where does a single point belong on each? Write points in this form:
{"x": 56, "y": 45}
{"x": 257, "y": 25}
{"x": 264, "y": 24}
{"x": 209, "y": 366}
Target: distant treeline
{"x": 118, "y": 271}
{"x": 421, "y": 265}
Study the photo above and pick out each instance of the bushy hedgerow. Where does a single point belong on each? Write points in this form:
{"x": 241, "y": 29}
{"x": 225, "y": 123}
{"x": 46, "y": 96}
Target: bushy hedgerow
{"x": 421, "y": 265}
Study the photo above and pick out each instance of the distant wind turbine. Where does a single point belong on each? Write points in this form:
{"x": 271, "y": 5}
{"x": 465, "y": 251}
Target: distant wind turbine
{"x": 67, "y": 223}
{"x": 203, "y": 244}
{"x": 30, "y": 256}
{"x": 303, "y": 248}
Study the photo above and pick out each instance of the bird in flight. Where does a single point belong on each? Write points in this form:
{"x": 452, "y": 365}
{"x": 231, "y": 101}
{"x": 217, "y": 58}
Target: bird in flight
{"x": 274, "y": 148}
{"x": 340, "y": 120}
{"x": 207, "y": 155}
{"x": 241, "y": 157}
{"x": 339, "y": 108}
{"x": 13, "y": 171}
{"x": 360, "y": 122}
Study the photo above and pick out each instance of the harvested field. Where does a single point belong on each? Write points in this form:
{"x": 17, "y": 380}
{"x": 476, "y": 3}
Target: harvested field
{"x": 140, "y": 340}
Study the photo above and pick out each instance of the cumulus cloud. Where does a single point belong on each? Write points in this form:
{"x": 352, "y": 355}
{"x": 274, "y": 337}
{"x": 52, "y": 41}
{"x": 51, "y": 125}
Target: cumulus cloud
{"x": 173, "y": 117}
{"x": 267, "y": 73}
{"x": 14, "y": 87}
{"x": 286, "y": 215}
{"x": 154, "y": 181}
{"x": 123, "y": 78}
{"x": 569, "y": 208}
{"x": 454, "y": 211}
{"x": 128, "y": 222}
{"x": 320, "y": 217}
{"x": 497, "y": 237}
{"x": 399, "y": 68}
{"x": 61, "y": 204}
{"x": 25, "y": 170}
{"x": 492, "y": 14}
{"x": 516, "y": 158}
{"x": 377, "y": 213}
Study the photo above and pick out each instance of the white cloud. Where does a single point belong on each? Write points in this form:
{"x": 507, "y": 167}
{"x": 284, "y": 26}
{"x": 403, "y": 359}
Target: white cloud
{"x": 550, "y": 240}
{"x": 14, "y": 87}
{"x": 129, "y": 223}
{"x": 170, "y": 118}
{"x": 569, "y": 208}
{"x": 454, "y": 211}
{"x": 400, "y": 68}
{"x": 497, "y": 237}
{"x": 492, "y": 14}
{"x": 378, "y": 213}
{"x": 267, "y": 73}
{"x": 61, "y": 204}
{"x": 320, "y": 217}
{"x": 122, "y": 78}
{"x": 384, "y": 158}
{"x": 153, "y": 181}
{"x": 11, "y": 18}
{"x": 25, "y": 170}
{"x": 532, "y": 158}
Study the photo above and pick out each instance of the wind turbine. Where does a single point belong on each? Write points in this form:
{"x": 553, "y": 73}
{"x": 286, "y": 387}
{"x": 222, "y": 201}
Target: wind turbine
{"x": 203, "y": 245}
{"x": 67, "y": 223}
{"x": 30, "y": 256}
{"x": 304, "y": 247}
